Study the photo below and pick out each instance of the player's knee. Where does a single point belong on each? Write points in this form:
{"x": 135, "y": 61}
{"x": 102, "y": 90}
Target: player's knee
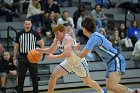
{"x": 112, "y": 87}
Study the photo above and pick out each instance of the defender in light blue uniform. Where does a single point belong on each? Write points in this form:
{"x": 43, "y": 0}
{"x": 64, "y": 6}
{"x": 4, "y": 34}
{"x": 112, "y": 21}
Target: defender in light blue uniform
{"x": 98, "y": 43}
{"x": 115, "y": 61}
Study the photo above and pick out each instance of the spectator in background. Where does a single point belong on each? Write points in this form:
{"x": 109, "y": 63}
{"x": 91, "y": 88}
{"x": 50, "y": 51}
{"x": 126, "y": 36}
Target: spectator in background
{"x": 102, "y": 31}
{"x": 110, "y": 30}
{"x": 126, "y": 41}
{"x": 70, "y": 30}
{"x": 7, "y": 67}
{"x": 115, "y": 40}
{"x": 79, "y": 27}
{"x": 13, "y": 5}
{"x": 35, "y": 13}
{"x": 51, "y": 7}
{"x": 98, "y": 15}
{"x": 77, "y": 13}
{"x": 25, "y": 6}
{"x": 8, "y": 9}
{"x": 136, "y": 54}
{"x": 79, "y": 21}
{"x": 65, "y": 19}
{"x": 133, "y": 31}
{"x": 47, "y": 28}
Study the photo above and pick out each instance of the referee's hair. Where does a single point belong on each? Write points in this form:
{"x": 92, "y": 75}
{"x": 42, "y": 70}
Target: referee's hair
{"x": 27, "y": 19}
{"x": 89, "y": 24}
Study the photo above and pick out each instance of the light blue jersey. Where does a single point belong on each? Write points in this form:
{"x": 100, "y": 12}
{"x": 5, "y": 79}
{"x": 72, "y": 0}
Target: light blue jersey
{"x": 99, "y": 44}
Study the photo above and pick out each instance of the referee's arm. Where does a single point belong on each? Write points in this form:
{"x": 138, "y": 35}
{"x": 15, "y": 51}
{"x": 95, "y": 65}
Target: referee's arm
{"x": 16, "y": 48}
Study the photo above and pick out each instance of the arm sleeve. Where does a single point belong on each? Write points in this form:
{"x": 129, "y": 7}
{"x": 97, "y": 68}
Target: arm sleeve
{"x": 93, "y": 42}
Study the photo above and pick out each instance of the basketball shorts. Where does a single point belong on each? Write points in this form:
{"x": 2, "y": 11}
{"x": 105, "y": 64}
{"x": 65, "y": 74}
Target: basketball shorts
{"x": 116, "y": 65}
{"x": 81, "y": 68}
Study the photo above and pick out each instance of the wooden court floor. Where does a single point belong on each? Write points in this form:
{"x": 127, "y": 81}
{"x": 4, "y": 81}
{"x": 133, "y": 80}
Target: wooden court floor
{"x": 88, "y": 90}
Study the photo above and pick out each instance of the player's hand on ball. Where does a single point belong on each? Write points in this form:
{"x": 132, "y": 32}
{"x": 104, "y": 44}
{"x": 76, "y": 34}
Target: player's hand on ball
{"x": 50, "y": 56}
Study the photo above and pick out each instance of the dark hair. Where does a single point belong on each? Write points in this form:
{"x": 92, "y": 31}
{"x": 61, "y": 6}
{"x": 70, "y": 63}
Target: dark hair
{"x": 89, "y": 24}
{"x": 136, "y": 23}
{"x": 98, "y": 5}
{"x": 27, "y": 19}
{"x": 81, "y": 7}
{"x": 5, "y": 51}
{"x": 65, "y": 11}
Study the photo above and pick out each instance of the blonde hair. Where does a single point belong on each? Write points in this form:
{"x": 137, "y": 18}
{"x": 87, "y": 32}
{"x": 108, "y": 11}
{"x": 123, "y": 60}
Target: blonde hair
{"x": 60, "y": 28}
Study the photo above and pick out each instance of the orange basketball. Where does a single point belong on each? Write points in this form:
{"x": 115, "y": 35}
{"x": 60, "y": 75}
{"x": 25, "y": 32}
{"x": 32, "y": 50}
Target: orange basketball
{"x": 34, "y": 56}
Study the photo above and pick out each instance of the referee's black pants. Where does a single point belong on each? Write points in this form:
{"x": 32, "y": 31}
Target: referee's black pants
{"x": 23, "y": 65}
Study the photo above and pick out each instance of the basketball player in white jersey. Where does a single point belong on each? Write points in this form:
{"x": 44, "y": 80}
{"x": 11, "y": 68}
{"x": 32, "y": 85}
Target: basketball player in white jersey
{"x": 72, "y": 62}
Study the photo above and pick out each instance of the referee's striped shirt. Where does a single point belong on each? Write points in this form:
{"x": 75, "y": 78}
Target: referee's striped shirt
{"x": 27, "y": 40}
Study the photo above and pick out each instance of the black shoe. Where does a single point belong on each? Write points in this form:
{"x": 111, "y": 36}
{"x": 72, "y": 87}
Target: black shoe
{"x": 3, "y": 90}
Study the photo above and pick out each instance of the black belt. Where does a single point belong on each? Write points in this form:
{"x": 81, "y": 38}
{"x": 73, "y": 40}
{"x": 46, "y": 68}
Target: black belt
{"x": 113, "y": 58}
{"x": 23, "y": 54}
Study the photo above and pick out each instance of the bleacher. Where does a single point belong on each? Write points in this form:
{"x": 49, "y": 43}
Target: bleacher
{"x": 97, "y": 67}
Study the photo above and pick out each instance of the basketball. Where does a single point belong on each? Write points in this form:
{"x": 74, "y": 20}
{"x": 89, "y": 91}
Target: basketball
{"x": 34, "y": 56}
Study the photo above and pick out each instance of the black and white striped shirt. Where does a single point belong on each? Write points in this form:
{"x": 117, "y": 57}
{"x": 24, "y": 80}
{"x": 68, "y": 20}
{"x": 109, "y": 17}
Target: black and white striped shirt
{"x": 27, "y": 40}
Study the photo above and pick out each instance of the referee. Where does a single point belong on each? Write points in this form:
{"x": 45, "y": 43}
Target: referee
{"x": 25, "y": 41}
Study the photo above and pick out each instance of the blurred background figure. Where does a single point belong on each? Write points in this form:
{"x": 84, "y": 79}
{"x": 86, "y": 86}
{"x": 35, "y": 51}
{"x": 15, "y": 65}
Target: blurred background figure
{"x": 136, "y": 54}
{"x": 46, "y": 30}
{"x": 70, "y": 30}
{"x": 77, "y": 13}
{"x": 51, "y": 6}
{"x": 7, "y": 67}
{"x": 99, "y": 16}
{"x": 35, "y": 14}
{"x": 126, "y": 42}
{"x": 102, "y": 31}
{"x": 115, "y": 40}
{"x": 65, "y": 19}
{"x": 9, "y": 9}
{"x": 133, "y": 31}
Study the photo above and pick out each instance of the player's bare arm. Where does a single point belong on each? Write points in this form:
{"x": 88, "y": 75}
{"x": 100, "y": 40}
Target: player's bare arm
{"x": 67, "y": 49}
{"x": 83, "y": 53}
{"x": 49, "y": 50}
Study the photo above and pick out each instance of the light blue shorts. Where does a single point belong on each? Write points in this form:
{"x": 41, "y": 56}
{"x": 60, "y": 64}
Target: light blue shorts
{"x": 116, "y": 65}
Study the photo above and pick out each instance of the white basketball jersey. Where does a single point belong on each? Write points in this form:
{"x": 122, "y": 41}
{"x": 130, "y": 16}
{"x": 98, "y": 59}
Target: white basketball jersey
{"x": 74, "y": 58}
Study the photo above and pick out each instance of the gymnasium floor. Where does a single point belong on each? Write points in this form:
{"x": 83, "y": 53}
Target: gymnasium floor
{"x": 88, "y": 90}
